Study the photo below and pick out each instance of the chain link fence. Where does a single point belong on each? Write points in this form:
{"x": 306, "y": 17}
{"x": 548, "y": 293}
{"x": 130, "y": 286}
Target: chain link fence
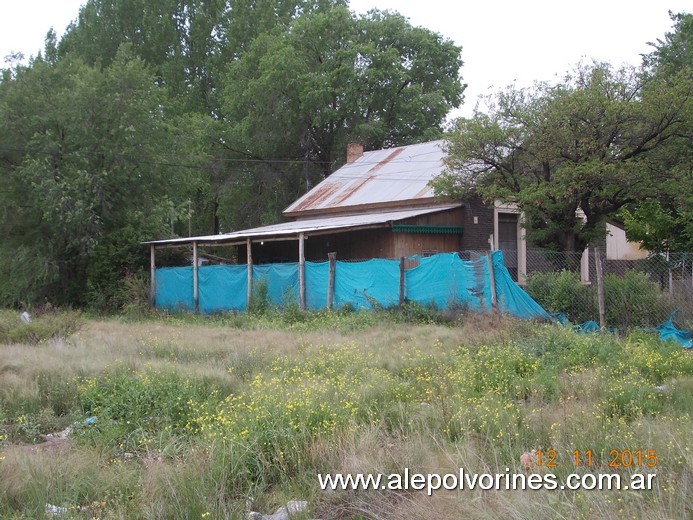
{"x": 636, "y": 293}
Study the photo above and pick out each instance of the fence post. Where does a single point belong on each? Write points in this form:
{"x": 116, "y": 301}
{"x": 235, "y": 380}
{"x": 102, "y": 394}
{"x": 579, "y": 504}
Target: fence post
{"x": 249, "y": 256}
{"x": 671, "y": 276}
{"x": 332, "y": 257}
{"x": 196, "y": 284}
{"x": 401, "y": 282}
{"x": 492, "y": 282}
{"x": 301, "y": 272}
{"x": 600, "y": 287}
{"x": 152, "y": 275}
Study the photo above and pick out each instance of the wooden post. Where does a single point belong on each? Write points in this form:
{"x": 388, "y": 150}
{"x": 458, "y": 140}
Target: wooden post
{"x": 332, "y": 257}
{"x": 301, "y": 272}
{"x": 152, "y": 275}
{"x": 600, "y": 287}
{"x": 401, "y": 282}
{"x": 492, "y": 283}
{"x": 671, "y": 276}
{"x": 196, "y": 286}
{"x": 249, "y": 256}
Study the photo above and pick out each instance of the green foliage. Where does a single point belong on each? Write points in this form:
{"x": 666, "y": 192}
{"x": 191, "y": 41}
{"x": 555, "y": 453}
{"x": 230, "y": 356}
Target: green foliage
{"x": 132, "y": 296}
{"x": 168, "y": 440}
{"x": 335, "y": 78}
{"x": 146, "y": 121}
{"x": 563, "y": 292}
{"x": 83, "y": 146}
{"x": 259, "y": 299}
{"x": 656, "y": 227}
{"x": 631, "y": 300}
{"x": 134, "y": 407}
{"x": 600, "y": 140}
{"x": 44, "y": 326}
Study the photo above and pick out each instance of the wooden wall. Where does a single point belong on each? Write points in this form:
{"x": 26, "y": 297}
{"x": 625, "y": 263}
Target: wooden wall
{"x": 383, "y": 243}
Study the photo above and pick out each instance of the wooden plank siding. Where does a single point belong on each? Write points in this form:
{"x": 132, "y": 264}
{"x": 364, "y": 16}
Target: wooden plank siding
{"x": 382, "y": 242}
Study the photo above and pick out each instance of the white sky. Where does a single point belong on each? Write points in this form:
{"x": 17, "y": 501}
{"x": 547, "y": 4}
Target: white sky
{"x": 503, "y": 41}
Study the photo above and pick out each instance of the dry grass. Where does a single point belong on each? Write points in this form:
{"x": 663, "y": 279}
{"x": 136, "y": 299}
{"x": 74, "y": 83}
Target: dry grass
{"x": 175, "y": 475}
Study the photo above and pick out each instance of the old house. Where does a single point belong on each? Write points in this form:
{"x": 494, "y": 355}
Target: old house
{"x": 378, "y": 205}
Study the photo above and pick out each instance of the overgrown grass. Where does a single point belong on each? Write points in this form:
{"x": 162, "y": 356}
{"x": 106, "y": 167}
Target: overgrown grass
{"x": 207, "y": 418}
{"x": 44, "y": 325}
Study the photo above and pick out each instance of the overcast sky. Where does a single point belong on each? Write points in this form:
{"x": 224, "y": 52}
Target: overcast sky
{"x": 503, "y": 41}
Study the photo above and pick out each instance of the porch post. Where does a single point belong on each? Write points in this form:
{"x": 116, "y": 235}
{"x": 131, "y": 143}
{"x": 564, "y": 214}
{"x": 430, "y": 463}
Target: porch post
{"x": 152, "y": 275}
{"x": 301, "y": 271}
{"x": 332, "y": 257}
{"x": 249, "y": 256}
{"x": 401, "y": 282}
{"x": 196, "y": 286}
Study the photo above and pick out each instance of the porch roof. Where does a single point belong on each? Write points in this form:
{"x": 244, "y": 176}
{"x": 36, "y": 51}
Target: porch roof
{"x": 308, "y": 226}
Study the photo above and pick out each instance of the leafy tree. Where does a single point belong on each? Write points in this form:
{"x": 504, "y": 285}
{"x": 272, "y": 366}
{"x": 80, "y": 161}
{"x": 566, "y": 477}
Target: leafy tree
{"x": 572, "y": 155}
{"x": 666, "y": 223}
{"x": 675, "y": 51}
{"x": 332, "y": 77}
{"x": 186, "y": 42}
{"x": 82, "y": 177}
{"x": 153, "y": 119}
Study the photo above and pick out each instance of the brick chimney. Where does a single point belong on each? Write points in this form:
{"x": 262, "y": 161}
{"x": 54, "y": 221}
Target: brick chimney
{"x": 354, "y": 151}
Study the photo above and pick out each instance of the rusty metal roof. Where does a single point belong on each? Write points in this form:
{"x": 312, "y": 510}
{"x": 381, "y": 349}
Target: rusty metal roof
{"x": 290, "y": 230}
{"x": 395, "y": 175}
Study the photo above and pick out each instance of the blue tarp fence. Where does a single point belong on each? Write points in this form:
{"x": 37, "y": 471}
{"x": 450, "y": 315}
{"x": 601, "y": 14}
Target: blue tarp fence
{"x": 444, "y": 280}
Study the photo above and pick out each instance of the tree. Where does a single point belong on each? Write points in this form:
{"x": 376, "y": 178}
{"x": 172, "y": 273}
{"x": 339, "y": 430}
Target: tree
{"x": 82, "y": 177}
{"x": 666, "y": 223}
{"x": 332, "y": 77}
{"x": 150, "y": 119}
{"x": 572, "y": 155}
{"x": 188, "y": 44}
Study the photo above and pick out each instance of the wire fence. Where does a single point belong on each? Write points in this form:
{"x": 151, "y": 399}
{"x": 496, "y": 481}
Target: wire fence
{"x": 636, "y": 293}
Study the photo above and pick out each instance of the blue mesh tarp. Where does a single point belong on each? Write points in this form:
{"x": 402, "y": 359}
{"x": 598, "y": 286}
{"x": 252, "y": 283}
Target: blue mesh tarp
{"x": 174, "y": 288}
{"x": 442, "y": 279}
{"x": 222, "y": 288}
{"x": 317, "y": 277}
{"x": 446, "y": 280}
{"x": 670, "y": 332}
{"x": 359, "y": 283}
{"x": 512, "y": 299}
{"x": 282, "y": 282}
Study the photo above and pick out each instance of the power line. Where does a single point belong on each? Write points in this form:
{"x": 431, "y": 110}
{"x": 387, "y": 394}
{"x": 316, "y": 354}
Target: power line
{"x": 383, "y": 177}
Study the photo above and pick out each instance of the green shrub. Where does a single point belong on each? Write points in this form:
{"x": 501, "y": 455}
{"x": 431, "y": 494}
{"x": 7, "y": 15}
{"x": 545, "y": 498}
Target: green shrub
{"x": 44, "y": 326}
{"x": 132, "y": 295}
{"x": 563, "y": 292}
{"x": 259, "y": 299}
{"x": 631, "y": 300}
{"x": 139, "y": 405}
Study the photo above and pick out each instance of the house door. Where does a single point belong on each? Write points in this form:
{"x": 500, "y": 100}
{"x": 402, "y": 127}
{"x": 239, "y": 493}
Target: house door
{"x": 507, "y": 240}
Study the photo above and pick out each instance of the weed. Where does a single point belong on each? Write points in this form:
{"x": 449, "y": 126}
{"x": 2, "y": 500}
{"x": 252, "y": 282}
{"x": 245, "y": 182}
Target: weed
{"x": 197, "y": 418}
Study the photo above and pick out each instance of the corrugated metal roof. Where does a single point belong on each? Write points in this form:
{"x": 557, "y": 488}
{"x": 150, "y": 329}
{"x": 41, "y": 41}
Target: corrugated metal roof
{"x": 288, "y": 229}
{"x": 382, "y": 176}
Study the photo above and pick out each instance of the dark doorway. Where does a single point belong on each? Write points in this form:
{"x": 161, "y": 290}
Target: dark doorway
{"x": 507, "y": 240}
